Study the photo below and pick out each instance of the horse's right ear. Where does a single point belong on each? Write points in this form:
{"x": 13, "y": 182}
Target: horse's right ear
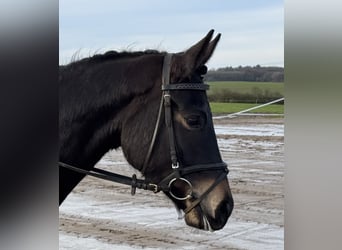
{"x": 196, "y": 56}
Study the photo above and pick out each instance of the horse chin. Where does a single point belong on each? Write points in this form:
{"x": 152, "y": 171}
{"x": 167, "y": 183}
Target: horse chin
{"x": 200, "y": 223}
{"x": 196, "y": 218}
{"x": 203, "y": 218}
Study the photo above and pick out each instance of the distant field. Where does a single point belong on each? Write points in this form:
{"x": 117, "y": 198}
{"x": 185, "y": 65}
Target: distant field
{"x": 227, "y": 108}
{"x": 246, "y": 87}
{"x": 245, "y": 92}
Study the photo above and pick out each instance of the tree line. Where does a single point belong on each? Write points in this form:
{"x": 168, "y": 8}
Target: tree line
{"x": 246, "y": 73}
{"x": 256, "y": 95}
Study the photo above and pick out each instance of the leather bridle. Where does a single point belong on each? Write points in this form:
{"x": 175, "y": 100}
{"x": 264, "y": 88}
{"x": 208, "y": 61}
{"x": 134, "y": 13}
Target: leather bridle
{"x": 178, "y": 170}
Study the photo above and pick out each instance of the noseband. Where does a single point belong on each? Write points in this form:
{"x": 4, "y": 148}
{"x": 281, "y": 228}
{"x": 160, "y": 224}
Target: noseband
{"x": 179, "y": 172}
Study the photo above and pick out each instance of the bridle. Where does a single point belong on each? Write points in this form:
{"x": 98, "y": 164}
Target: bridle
{"x": 177, "y": 176}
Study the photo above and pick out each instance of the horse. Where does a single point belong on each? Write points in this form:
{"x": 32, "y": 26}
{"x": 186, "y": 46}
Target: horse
{"x": 154, "y": 106}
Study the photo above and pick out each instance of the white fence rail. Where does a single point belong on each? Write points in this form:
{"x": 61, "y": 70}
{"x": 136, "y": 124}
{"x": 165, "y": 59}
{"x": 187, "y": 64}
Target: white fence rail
{"x": 247, "y": 110}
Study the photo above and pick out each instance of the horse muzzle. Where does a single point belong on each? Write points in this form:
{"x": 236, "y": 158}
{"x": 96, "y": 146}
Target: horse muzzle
{"x": 206, "y": 202}
{"x": 211, "y": 219}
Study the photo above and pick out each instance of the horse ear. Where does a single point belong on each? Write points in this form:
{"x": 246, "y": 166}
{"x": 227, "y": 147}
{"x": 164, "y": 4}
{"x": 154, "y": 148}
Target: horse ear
{"x": 210, "y": 49}
{"x": 198, "y": 54}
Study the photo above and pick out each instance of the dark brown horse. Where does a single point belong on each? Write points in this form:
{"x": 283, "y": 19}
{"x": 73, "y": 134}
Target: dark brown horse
{"x": 113, "y": 100}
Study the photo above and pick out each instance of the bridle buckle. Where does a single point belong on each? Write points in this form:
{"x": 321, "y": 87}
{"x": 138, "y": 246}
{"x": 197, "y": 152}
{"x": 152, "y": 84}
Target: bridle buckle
{"x": 175, "y": 166}
{"x": 154, "y": 187}
{"x": 167, "y": 99}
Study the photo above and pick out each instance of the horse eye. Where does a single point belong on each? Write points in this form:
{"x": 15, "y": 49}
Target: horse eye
{"x": 193, "y": 121}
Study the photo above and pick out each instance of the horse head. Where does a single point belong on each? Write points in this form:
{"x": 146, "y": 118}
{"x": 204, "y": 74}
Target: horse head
{"x": 176, "y": 146}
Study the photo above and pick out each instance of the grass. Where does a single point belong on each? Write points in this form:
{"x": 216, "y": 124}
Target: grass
{"x": 244, "y": 92}
{"x": 246, "y": 87}
{"x": 228, "y": 108}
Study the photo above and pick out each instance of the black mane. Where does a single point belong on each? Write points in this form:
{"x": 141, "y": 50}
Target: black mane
{"x": 113, "y": 55}
{"x": 100, "y": 86}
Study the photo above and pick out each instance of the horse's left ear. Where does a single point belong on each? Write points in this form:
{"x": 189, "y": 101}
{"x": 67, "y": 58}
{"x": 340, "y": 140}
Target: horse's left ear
{"x": 197, "y": 55}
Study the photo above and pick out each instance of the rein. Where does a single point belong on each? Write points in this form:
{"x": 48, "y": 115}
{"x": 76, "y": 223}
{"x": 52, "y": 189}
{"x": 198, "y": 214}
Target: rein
{"x": 178, "y": 171}
{"x": 122, "y": 179}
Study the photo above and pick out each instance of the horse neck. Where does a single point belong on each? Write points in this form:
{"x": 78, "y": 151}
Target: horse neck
{"x": 93, "y": 102}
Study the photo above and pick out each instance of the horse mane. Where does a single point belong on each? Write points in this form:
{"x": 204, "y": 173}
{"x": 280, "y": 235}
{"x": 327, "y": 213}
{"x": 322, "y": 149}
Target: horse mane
{"x": 85, "y": 98}
{"x": 110, "y": 55}
{"x": 81, "y": 102}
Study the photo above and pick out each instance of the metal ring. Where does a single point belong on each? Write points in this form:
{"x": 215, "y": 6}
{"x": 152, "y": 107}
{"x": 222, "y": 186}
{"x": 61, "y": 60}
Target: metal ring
{"x": 187, "y": 196}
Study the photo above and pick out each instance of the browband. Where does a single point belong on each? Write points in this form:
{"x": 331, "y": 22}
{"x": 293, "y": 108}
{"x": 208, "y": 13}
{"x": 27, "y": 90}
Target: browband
{"x": 185, "y": 86}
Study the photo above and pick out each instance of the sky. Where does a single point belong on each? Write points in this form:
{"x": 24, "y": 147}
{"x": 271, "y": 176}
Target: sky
{"x": 252, "y": 31}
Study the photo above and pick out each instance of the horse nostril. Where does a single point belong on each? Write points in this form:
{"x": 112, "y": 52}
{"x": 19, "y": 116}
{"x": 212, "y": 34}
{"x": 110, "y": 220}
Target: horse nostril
{"x": 222, "y": 213}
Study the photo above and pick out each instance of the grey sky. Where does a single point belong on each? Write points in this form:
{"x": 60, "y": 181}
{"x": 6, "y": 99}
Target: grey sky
{"x": 252, "y": 31}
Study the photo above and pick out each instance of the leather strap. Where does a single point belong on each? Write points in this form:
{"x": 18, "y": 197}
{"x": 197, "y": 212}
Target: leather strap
{"x": 109, "y": 176}
{"x": 194, "y": 169}
{"x": 168, "y": 112}
{"x": 198, "y": 200}
{"x": 153, "y": 140}
{"x": 186, "y": 86}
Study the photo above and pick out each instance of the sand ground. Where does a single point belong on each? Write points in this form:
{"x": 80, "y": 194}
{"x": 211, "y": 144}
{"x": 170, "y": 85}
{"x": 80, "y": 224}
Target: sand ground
{"x": 103, "y": 215}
